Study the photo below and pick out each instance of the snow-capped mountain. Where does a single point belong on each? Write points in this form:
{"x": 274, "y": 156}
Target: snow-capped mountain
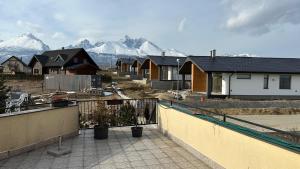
{"x": 103, "y": 52}
{"x": 107, "y": 52}
{"x": 126, "y": 46}
{"x": 25, "y": 46}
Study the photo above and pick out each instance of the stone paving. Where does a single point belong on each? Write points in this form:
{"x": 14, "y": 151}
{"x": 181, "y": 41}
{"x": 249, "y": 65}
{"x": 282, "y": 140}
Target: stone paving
{"x": 121, "y": 150}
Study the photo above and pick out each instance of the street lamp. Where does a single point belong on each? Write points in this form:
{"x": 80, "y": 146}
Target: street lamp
{"x": 177, "y": 79}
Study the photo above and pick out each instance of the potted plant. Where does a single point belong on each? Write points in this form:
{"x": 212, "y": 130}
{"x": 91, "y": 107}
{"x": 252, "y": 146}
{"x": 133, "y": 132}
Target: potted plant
{"x": 129, "y": 116}
{"x": 102, "y": 120}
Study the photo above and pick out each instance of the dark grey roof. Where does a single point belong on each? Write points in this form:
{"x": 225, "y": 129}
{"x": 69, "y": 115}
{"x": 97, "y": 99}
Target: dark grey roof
{"x": 245, "y": 64}
{"x": 59, "y": 58}
{"x": 18, "y": 59}
{"x": 65, "y": 54}
{"x": 128, "y": 61}
{"x": 140, "y": 60}
{"x": 166, "y": 60}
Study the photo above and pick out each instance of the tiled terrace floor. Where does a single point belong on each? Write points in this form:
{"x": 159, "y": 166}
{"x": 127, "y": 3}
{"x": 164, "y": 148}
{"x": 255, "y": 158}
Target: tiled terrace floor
{"x": 121, "y": 150}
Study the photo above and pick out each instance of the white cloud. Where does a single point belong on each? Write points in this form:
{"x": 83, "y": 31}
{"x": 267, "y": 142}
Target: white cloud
{"x": 181, "y": 25}
{"x": 29, "y": 26}
{"x": 59, "y": 17}
{"x": 58, "y": 35}
{"x": 258, "y": 17}
{"x": 92, "y": 34}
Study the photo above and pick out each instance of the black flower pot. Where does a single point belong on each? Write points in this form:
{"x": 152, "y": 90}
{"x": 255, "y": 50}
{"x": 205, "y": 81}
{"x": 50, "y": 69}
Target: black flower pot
{"x": 137, "y": 131}
{"x": 100, "y": 132}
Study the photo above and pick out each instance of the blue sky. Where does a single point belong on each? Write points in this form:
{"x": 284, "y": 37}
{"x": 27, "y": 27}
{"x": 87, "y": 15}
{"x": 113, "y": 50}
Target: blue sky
{"x": 267, "y": 28}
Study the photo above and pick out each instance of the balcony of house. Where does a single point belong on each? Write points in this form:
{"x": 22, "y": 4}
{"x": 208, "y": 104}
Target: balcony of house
{"x": 173, "y": 136}
{"x": 27, "y": 136}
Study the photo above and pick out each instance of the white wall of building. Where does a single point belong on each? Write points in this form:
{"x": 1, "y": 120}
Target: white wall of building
{"x": 254, "y": 86}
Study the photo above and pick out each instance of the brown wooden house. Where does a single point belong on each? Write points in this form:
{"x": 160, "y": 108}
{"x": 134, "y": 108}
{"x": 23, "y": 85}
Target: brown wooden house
{"x": 65, "y": 61}
{"x": 137, "y": 72}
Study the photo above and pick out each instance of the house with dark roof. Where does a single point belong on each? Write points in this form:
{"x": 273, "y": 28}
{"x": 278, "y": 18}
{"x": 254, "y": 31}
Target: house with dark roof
{"x": 136, "y": 71}
{"x": 244, "y": 77}
{"x": 124, "y": 65}
{"x": 163, "y": 72}
{"x": 65, "y": 61}
{"x": 14, "y": 65}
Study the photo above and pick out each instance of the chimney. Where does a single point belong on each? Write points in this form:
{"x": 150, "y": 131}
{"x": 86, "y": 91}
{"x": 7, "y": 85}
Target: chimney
{"x": 163, "y": 53}
{"x": 62, "y": 48}
{"x": 213, "y": 53}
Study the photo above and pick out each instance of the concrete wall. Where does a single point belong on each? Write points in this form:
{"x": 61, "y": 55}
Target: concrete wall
{"x": 165, "y": 85}
{"x": 222, "y": 147}
{"x": 198, "y": 80}
{"x": 28, "y": 130}
{"x": 254, "y": 86}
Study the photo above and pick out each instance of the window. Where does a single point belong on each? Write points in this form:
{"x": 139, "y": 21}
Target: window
{"x": 285, "y": 82}
{"x": 164, "y": 73}
{"x": 266, "y": 81}
{"x": 243, "y": 76}
{"x": 36, "y": 71}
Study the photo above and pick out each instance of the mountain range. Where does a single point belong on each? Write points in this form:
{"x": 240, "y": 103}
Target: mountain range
{"x": 104, "y": 53}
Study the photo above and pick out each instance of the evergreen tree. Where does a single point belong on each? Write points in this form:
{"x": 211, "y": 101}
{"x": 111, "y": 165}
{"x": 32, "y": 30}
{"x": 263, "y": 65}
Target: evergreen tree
{"x": 3, "y": 95}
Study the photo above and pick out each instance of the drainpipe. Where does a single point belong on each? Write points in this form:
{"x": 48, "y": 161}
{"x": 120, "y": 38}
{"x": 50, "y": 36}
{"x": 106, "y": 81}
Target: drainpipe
{"x": 229, "y": 91}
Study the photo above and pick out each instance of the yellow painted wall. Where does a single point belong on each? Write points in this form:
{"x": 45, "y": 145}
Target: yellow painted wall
{"x": 153, "y": 71}
{"x": 19, "y": 131}
{"x": 198, "y": 80}
{"x": 226, "y": 147}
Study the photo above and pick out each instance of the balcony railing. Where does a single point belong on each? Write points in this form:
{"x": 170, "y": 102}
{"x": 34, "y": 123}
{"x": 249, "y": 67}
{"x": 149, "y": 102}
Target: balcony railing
{"x": 143, "y": 109}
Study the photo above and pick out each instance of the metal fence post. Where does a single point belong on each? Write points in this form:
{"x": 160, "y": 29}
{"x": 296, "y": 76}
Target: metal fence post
{"x": 224, "y": 117}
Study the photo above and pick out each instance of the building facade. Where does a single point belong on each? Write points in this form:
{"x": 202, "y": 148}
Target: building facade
{"x": 15, "y": 65}
{"x": 66, "y": 61}
{"x": 244, "y": 77}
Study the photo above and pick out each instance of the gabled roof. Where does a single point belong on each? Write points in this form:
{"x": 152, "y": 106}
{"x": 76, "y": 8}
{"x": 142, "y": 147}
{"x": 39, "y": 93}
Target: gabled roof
{"x": 41, "y": 58}
{"x": 163, "y": 61}
{"x": 138, "y": 60}
{"x": 18, "y": 59}
{"x": 59, "y": 58}
{"x": 128, "y": 61}
{"x": 65, "y": 54}
{"x": 243, "y": 64}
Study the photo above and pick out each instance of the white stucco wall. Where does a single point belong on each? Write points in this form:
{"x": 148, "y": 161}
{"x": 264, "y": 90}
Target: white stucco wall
{"x": 254, "y": 86}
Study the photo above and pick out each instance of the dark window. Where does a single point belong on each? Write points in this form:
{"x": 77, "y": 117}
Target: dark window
{"x": 266, "y": 81}
{"x": 36, "y": 71}
{"x": 285, "y": 82}
{"x": 243, "y": 76}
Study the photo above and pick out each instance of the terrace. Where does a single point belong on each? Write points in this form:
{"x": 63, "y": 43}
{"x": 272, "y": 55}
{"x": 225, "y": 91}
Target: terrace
{"x": 120, "y": 150}
{"x": 174, "y": 136}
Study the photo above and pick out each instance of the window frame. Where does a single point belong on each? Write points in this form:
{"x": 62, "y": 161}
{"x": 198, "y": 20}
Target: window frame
{"x": 290, "y": 82}
{"x": 247, "y": 78}
{"x": 266, "y": 81}
{"x": 36, "y": 71}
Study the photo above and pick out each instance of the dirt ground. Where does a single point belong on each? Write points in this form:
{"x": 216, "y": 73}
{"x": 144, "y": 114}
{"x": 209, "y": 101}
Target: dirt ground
{"x": 30, "y": 86}
{"x": 136, "y": 91}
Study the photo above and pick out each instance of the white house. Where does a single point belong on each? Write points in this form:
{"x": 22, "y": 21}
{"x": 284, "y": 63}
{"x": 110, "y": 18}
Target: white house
{"x": 244, "y": 77}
